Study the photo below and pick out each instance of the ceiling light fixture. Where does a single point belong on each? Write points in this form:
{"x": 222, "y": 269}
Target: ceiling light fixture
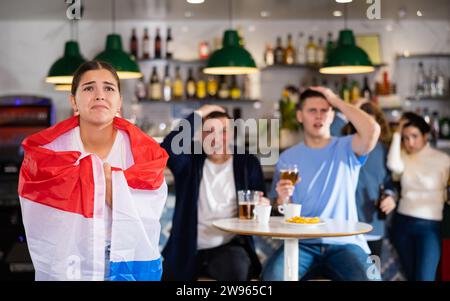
{"x": 347, "y": 58}
{"x": 195, "y": 1}
{"x": 124, "y": 63}
{"x": 232, "y": 58}
{"x": 61, "y": 71}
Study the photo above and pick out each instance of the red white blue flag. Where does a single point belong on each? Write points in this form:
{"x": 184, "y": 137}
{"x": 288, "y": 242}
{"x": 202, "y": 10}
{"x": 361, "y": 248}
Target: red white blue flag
{"x": 62, "y": 195}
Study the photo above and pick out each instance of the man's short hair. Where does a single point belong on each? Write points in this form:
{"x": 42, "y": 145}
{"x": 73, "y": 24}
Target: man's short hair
{"x": 215, "y": 115}
{"x": 308, "y": 93}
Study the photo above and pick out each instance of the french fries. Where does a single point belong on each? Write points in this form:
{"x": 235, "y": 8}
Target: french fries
{"x": 303, "y": 220}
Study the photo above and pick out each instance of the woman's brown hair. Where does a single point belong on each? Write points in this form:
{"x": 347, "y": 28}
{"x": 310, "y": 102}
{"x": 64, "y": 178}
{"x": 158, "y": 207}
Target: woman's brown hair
{"x": 89, "y": 66}
{"x": 373, "y": 110}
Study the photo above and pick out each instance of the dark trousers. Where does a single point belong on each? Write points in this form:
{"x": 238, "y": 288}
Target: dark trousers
{"x": 418, "y": 244}
{"x": 229, "y": 262}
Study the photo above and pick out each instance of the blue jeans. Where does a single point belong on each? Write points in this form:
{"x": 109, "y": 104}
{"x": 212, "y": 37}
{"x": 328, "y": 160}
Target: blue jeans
{"x": 418, "y": 244}
{"x": 336, "y": 262}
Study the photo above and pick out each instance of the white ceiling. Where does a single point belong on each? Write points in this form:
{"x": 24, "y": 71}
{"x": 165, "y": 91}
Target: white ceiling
{"x": 219, "y": 9}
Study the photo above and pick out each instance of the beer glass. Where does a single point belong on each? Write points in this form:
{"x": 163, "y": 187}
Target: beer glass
{"x": 247, "y": 201}
{"x": 289, "y": 172}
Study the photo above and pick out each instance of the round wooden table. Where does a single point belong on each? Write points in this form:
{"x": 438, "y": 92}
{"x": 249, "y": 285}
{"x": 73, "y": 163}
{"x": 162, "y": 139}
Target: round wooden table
{"x": 291, "y": 234}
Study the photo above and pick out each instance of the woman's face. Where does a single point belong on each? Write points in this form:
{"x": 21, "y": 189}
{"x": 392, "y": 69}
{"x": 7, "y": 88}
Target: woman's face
{"x": 413, "y": 139}
{"x": 97, "y": 99}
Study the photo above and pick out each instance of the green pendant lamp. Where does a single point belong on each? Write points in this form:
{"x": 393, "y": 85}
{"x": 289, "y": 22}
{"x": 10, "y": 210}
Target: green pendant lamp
{"x": 124, "y": 63}
{"x": 61, "y": 72}
{"x": 347, "y": 58}
{"x": 232, "y": 58}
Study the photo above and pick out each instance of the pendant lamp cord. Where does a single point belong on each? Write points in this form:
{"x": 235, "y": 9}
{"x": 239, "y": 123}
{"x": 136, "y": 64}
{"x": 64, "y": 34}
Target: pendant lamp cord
{"x": 230, "y": 13}
{"x": 76, "y": 30}
{"x": 345, "y": 16}
{"x": 113, "y": 8}
{"x": 72, "y": 30}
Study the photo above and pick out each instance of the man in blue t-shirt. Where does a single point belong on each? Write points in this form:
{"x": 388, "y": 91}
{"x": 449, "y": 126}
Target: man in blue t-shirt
{"x": 328, "y": 168}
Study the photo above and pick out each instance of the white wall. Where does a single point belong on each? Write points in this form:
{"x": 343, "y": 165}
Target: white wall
{"x": 28, "y": 48}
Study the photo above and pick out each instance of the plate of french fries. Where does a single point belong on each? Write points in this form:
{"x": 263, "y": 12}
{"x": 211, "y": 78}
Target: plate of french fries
{"x": 304, "y": 221}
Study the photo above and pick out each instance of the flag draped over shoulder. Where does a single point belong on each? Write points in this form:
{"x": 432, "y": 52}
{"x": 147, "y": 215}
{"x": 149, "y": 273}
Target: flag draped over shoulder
{"x": 62, "y": 195}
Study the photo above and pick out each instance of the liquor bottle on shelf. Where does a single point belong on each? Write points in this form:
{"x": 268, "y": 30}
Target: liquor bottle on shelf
{"x": 241, "y": 36}
{"x": 300, "y": 48}
{"x": 426, "y": 116}
{"x": 167, "y": 85}
{"x": 269, "y": 55}
{"x": 421, "y": 86}
{"x": 157, "y": 44}
{"x": 212, "y": 86}
{"x": 201, "y": 85}
{"x": 440, "y": 83}
{"x": 444, "y": 125}
{"x": 386, "y": 83}
{"x": 434, "y": 128}
{"x": 134, "y": 44}
{"x": 139, "y": 89}
{"x": 356, "y": 92}
{"x": 279, "y": 52}
{"x": 190, "y": 84}
{"x": 289, "y": 52}
{"x": 330, "y": 45}
{"x": 366, "y": 92}
{"x": 169, "y": 44}
{"x": 336, "y": 88}
{"x": 203, "y": 50}
{"x": 146, "y": 45}
{"x": 155, "y": 86}
{"x": 433, "y": 81}
{"x": 224, "y": 91}
{"x": 320, "y": 53}
{"x": 311, "y": 51}
{"x": 345, "y": 90}
{"x": 235, "y": 91}
{"x": 247, "y": 90}
{"x": 178, "y": 87}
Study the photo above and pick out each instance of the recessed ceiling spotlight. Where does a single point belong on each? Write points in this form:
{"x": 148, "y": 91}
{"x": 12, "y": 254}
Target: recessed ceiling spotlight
{"x": 419, "y": 13}
{"x": 344, "y": 1}
{"x": 264, "y": 14}
{"x": 337, "y": 13}
{"x": 195, "y": 1}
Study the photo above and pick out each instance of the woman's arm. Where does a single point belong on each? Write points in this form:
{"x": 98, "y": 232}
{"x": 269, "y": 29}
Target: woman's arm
{"x": 394, "y": 159}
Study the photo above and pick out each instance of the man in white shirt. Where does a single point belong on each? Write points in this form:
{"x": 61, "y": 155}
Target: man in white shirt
{"x": 206, "y": 186}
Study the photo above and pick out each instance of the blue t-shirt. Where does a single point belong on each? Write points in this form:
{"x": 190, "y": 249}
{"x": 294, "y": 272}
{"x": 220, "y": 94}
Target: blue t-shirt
{"x": 329, "y": 177}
